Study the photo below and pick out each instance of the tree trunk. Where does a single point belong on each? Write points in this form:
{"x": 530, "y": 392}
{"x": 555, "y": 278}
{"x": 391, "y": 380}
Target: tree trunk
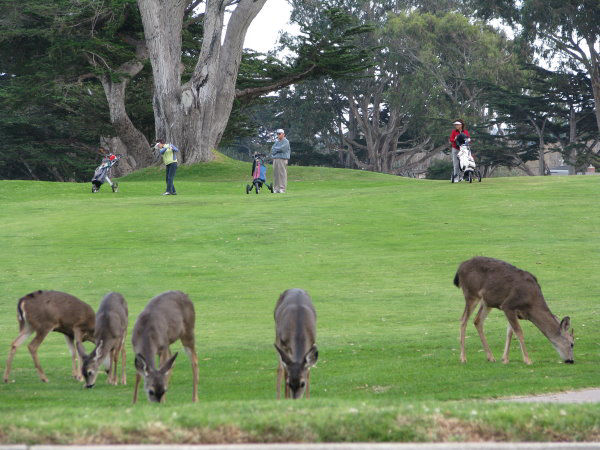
{"x": 594, "y": 71}
{"x": 193, "y": 116}
{"x": 541, "y": 144}
{"x": 596, "y": 91}
{"x": 136, "y": 143}
{"x": 163, "y": 22}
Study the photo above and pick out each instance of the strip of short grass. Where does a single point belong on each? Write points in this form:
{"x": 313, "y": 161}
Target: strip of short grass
{"x": 315, "y": 420}
{"x": 377, "y": 253}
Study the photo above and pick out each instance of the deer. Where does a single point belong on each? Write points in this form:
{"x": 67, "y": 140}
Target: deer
{"x": 295, "y": 335}
{"x": 109, "y": 335}
{"x": 498, "y": 284}
{"x": 166, "y": 318}
{"x": 45, "y": 311}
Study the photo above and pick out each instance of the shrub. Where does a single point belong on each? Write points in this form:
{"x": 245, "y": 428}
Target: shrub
{"x": 439, "y": 170}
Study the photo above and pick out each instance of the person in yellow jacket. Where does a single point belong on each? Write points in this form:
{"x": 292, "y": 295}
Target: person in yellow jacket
{"x": 169, "y": 156}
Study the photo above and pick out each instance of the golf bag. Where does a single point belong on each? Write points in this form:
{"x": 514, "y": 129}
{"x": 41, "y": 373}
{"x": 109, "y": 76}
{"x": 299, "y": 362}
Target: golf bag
{"x": 259, "y": 174}
{"x": 101, "y": 175}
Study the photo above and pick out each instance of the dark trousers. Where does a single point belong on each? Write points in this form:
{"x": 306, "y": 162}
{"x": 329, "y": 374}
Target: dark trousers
{"x": 171, "y": 169}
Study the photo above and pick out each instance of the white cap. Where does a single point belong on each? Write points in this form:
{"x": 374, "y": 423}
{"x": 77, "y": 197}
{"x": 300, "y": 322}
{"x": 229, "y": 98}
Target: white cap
{"x": 457, "y": 123}
{"x": 280, "y": 130}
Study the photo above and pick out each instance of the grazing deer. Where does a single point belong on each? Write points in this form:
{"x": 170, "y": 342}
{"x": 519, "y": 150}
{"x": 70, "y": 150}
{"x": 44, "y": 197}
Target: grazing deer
{"x": 295, "y": 334}
{"x": 45, "y": 311}
{"x": 167, "y": 317}
{"x": 517, "y": 293}
{"x": 109, "y": 334}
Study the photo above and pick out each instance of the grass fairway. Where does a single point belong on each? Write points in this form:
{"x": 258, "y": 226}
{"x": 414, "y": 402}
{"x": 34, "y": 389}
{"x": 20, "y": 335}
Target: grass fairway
{"x": 377, "y": 254}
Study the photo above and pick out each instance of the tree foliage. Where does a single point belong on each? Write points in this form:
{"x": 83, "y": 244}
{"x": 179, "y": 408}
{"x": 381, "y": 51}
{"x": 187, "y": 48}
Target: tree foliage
{"x": 365, "y": 84}
{"x": 566, "y": 32}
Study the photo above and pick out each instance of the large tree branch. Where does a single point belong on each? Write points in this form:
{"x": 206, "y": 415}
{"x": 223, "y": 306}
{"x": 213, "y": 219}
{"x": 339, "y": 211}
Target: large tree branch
{"x": 249, "y": 93}
{"x": 192, "y": 6}
{"x": 574, "y": 50}
{"x": 427, "y": 154}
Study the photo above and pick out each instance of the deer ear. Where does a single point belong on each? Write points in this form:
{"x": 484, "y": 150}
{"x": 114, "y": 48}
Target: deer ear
{"x": 169, "y": 363}
{"x": 81, "y": 350}
{"x": 565, "y": 324}
{"x": 140, "y": 364}
{"x": 97, "y": 350}
{"x": 284, "y": 357}
{"x": 310, "y": 359}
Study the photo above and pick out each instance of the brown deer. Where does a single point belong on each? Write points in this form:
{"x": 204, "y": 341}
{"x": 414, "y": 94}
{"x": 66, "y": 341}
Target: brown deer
{"x": 517, "y": 293}
{"x": 295, "y": 334}
{"x": 45, "y": 311}
{"x": 166, "y": 318}
{"x": 109, "y": 335}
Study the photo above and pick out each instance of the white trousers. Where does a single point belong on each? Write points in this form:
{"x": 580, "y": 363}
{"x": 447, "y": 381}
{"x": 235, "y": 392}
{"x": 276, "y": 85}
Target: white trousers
{"x": 279, "y": 175}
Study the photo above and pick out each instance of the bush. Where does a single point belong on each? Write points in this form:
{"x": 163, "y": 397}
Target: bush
{"x": 439, "y": 170}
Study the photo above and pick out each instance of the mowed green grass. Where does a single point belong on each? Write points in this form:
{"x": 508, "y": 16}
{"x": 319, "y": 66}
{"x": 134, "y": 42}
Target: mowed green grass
{"x": 377, "y": 254}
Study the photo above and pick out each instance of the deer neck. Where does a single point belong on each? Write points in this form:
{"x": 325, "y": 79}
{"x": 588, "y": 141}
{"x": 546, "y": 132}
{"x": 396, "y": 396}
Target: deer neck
{"x": 546, "y": 322}
{"x": 148, "y": 350}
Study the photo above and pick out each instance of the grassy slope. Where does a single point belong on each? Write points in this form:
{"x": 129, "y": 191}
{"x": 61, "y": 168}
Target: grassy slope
{"x": 377, "y": 253}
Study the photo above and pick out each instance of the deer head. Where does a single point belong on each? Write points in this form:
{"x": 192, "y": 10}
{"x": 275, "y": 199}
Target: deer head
{"x": 155, "y": 381}
{"x": 297, "y": 371}
{"x": 91, "y": 362}
{"x": 564, "y": 342}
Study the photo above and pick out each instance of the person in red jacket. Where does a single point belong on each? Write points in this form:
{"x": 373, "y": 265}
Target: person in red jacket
{"x": 459, "y": 127}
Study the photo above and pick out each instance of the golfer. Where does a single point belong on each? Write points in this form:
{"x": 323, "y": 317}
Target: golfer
{"x": 280, "y": 152}
{"x": 459, "y": 127}
{"x": 168, "y": 152}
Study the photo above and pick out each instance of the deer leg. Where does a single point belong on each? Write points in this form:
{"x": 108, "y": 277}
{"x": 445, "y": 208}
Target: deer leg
{"x": 191, "y": 352}
{"x": 137, "y": 383}
{"x": 78, "y": 360}
{"x": 71, "y": 346}
{"x": 288, "y": 391}
{"x": 163, "y": 357}
{"x": 123, "y": 357}
{"x": 112, "y": 369}
{"x": 513, "y": 320}
{"x": 509, "y": 335}
{"x": 40, "y": 335}
{"x": 470, "y": 305}
{"x": 189, "y": 345}
{"x": 308, "y": 384}
{"x": 479, "y": 319}
{"x": 25, "y": 332}
{"x": 279, "y": 377}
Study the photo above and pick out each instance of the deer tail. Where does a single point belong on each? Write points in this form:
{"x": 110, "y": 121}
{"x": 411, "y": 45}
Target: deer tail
{"x": 21, "y": 313}
{"x": 456, "y": 280}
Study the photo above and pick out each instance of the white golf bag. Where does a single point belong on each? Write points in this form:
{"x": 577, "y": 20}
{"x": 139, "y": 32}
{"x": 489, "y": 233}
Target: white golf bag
{"x": 466, "y": 161}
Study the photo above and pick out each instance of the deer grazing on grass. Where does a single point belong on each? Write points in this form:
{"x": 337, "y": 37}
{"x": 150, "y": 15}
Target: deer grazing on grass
{"x": 295, "y": 334}
{"x": 109, "y": 335}
{"x": 166, "y": 318}
{"x": 45, "y": 311}
{"x": 517, "y": 293}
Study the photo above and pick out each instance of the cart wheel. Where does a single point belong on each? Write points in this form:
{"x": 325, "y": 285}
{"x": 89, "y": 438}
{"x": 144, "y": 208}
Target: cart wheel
{"x": 248, "y": 189}
{"x": 470, "y": 176}
{"x": 452, "y": 178}
{"x": 115, "y": 187}
{"x": 270, "y": 186}
{"x": 479, "y": 176}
